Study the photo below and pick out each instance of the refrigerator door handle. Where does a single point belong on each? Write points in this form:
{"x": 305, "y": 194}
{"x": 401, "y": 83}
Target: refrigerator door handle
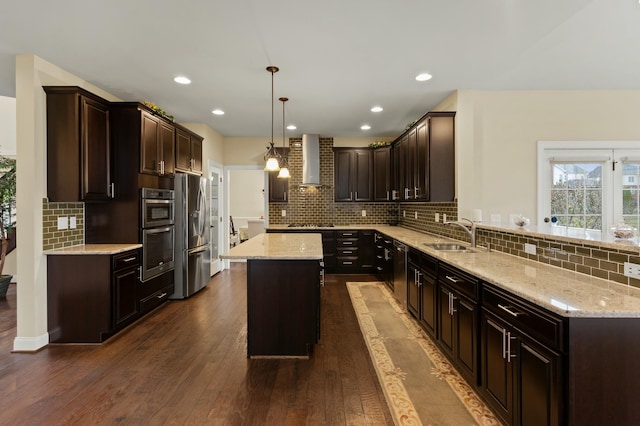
{"x": 198, "y": 249}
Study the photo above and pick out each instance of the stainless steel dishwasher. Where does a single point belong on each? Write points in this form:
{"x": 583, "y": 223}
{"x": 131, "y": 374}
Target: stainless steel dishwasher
{"x": 400, "y": 272}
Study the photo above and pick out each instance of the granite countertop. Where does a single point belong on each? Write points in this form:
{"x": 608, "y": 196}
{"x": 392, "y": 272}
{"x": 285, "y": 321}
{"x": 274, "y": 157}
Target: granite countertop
{"x": 93, "y": 249}
{"x": 568, "y": 293}
{"x": 297, "y": 246}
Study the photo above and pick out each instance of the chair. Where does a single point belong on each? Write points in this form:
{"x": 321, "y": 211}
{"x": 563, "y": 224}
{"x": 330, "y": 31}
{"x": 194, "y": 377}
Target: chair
{"x": 233, "y": 234}
{"x": 255, "y": 227}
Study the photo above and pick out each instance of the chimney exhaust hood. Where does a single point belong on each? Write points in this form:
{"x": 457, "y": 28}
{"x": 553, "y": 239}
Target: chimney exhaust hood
{"x": 311, "y": 160}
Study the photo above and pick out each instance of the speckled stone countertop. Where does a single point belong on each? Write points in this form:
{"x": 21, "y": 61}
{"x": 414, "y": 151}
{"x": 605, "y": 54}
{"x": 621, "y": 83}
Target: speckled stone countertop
{"x": 570, "y": 294}
{"x": 93, "y": 249}
{"x": 298, "y": 246}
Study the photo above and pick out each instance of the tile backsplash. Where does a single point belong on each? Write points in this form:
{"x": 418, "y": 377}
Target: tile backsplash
{"x": 53, "y": 238}
{"x": 315, "y": 204}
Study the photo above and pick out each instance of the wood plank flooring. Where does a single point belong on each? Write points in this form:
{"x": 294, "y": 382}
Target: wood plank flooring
{"x": 186, "y": 364}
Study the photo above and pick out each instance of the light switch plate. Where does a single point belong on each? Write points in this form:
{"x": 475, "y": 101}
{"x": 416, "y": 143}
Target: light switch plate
{"x": 415, "y": 215}
{"x": 63, "y": 223}
{"x": 72, "y": 222}
{"x": 529, "y": 248}
{"x": 437, "y": 217}
{"x": 284, "y": 213}
{"x": 364, "y": 213}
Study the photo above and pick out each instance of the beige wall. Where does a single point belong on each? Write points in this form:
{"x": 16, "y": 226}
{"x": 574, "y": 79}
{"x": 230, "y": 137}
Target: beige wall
{"x": 7, "y": 126}
{"x": 212, "y": 145}
{"x": 497, "y": 135}
{"x": 31, "y": 74}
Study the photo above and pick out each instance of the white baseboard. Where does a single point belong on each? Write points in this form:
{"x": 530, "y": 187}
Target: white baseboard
{"x": 30, "y": 344}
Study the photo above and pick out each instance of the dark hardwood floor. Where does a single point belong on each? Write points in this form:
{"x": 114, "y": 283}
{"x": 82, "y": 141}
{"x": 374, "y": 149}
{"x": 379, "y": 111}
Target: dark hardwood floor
{"x": 186, "y": 364}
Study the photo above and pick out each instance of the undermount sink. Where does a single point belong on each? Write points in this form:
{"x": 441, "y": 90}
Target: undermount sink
{"x": 450, "y": 247}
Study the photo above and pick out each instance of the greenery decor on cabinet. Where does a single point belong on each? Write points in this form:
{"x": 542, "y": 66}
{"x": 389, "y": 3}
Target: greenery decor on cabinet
{"x": 7, "y": 204}
{"x": 158, "y": 110}
{"x": 379, "y": 144}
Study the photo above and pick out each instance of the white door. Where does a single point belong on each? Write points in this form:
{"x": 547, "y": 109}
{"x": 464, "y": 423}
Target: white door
{"x": 215, "y": 209}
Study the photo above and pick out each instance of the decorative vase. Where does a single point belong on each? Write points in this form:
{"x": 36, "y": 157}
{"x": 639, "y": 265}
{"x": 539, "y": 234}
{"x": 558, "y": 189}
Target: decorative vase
{"x": 4, "y": 285}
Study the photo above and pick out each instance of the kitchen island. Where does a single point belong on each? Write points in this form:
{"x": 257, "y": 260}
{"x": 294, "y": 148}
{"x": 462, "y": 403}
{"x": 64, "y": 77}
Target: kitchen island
{"x": 283, "y": 293}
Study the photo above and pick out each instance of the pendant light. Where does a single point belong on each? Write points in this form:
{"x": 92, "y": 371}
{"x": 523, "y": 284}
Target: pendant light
{"x": 284, "y": 163}
{"x": 272, "y": 157}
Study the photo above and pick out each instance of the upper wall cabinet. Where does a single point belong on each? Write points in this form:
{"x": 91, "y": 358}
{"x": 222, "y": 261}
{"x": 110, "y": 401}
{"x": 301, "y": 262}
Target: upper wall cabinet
{"x": 78, "y": 145}
{"x": 353, "y": 169}
{"x": 382, "y": 177}
{"x": 188, "y": 151}
{"x": 157, "y": 145}
{"x": 424, "y": 160}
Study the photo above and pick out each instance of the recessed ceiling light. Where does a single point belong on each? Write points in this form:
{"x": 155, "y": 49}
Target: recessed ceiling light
{"x": 423, "y": 77}
{"x": 182, "y": 80}
{"x": 376, "y": 109}
{"x": 291, "y": 127}
{"x": 365, "y": 127}
{"x": 217, "y": 112}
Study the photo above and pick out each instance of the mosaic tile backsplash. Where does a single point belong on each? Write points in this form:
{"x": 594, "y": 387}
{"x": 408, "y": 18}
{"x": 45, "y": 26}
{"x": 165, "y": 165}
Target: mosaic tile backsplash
{"x": 53, "y": 238}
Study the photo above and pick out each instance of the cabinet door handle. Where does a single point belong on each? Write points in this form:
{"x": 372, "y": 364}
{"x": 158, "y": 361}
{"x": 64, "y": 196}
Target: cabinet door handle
{"x": 418, "y": 275}
{"x": 356, "y": 195}
{"x": 347, "y": 263}
{"x": 322, "y": 274}
{"x": 347, "y": 251}
{"x": 387, "y": 195}
{"x": 112, "y": 190}
{"x": 509, "y": 311}
{"x": 129, "y": 259}
{"x": 285, "y": 196}
{"x": 508, "y": 352}
{"x": 161, "y": 295}
{"x": 347, "y": 243}
{"x": 504, "y": 343}
{"x": 415, "y": 192}
{"x": 452, "y": 279}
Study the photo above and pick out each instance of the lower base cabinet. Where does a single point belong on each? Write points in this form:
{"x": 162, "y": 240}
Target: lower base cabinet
{"x": 521, "y": 376}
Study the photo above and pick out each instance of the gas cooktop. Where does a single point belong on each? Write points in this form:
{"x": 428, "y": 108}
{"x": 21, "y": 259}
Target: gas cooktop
{"x": 310, "y": 225}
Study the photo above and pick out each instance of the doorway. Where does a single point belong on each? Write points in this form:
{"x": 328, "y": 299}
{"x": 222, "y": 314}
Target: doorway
{"x": 215, "y": 222}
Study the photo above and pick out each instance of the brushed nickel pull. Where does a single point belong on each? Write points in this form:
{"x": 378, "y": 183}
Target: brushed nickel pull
{"x": 129, "y": 259}
{"x": 161, "y": 296}
{"x": 507, "y": 310}
{"x": 453, "y": 279}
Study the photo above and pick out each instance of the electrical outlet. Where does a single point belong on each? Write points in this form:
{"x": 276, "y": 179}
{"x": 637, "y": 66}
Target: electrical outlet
{"x": 631, "y": 270}
{"x": 444, "y": 218}
{"x": 415, "y": 215}
{"x": 530, "y": 248}
{"x": 63, "y": 222}
{"x": 364, "y": 213}
{"x": 437, "y": 217}
{"x": 72, "y": 222}
{"x": 283, "y": 213}
{"x": 404, "y": 213}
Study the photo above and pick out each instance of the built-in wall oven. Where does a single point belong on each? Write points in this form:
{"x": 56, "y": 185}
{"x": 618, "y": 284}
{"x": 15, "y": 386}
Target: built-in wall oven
{"x": 158, "y": 232}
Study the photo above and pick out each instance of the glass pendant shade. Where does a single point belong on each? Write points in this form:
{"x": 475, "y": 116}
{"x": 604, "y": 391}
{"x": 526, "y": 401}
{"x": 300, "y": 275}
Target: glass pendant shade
{"x": 273, "y": 165}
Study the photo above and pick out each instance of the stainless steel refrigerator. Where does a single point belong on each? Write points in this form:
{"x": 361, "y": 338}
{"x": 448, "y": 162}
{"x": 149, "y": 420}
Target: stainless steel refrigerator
{"x": 192, "y": 250}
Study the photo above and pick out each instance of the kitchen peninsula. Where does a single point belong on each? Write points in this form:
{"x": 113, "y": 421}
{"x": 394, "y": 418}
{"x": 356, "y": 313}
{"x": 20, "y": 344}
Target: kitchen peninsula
{"x": 283, "y": 293}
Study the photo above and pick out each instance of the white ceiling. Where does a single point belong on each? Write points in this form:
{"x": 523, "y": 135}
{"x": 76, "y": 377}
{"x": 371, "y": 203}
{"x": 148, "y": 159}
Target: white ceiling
{"x": 337, "y": 58}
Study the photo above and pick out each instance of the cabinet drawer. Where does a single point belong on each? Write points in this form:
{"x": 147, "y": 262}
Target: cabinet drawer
{"x": 347, "y": 262}
{"x": 348, "y": 252}
{"x": 126, "y": 260}
{"x": 458, "y": 280}
{"x": 527, "y": 317}
{"x": 347, "y": 242}
{"x": 347, "y": 234}
{"x": 156, "y": 299}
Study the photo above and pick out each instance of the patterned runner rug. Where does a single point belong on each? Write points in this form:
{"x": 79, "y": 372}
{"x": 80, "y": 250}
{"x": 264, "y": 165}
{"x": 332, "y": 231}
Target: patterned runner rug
{"x": 420, "y": 385}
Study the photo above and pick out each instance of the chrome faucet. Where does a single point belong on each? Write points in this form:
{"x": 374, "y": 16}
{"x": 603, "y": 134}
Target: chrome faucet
{"x": 471, "y": 232}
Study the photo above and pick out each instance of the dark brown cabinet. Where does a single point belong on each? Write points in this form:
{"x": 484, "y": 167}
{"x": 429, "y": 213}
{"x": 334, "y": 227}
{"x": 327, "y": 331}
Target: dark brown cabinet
{"x": 384, "y": 259}
{"x": 424, "y": 160}
{"x": 382, "y": 174}
{"x": 124, "y": 284}
{"x": 91, "y": 297}
{"x": 283, "y": 307}
{"x": 521, "y": 376}
{"x": 188, "y": 151}
{"x": 458, "y": 317}
{"x": 353, "y": 170}
{"x": 422, "y": 290}
{"x": 78, "y": 146}
{"x": 367, "y": 251}
{"x": 157, "y": 145}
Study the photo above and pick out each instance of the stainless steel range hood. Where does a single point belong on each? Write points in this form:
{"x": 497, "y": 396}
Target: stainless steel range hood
{"x": 310, "y": 160}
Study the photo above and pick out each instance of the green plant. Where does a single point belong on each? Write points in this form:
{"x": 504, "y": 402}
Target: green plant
{"x": 379, "y": 144}
{"x": 158, "y": 110}
{"x": 7, "y": 203}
